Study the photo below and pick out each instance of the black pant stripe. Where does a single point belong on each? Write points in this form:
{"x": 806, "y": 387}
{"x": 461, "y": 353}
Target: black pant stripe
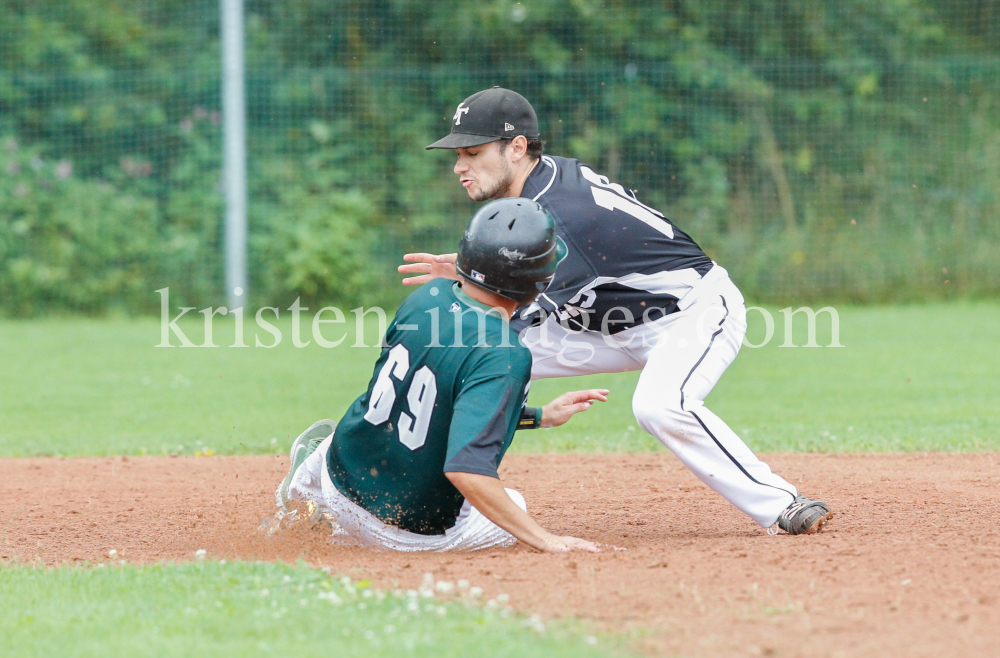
{"x": 705, "y": 353}
{"x": 734, "y": 460}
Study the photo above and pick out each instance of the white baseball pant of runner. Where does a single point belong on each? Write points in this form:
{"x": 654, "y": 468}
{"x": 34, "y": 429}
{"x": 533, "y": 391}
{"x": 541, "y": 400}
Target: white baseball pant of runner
{"x": 472, "y": 531}
{"x": 681, "y": 356}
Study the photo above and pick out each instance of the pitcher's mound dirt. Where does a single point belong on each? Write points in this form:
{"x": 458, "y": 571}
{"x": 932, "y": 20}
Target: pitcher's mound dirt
{"x": 910, "y": 565}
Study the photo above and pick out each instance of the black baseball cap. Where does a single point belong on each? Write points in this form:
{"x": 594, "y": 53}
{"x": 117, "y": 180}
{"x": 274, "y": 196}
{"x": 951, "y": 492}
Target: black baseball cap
{"x": 487, "y": 116}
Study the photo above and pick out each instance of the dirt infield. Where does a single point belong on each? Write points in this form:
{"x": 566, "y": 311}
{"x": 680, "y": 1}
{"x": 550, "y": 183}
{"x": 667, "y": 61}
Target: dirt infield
{"x": 910, "y": 566}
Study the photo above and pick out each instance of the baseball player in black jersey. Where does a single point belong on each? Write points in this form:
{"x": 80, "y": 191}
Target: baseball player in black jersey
{"x": 634, "y": 293}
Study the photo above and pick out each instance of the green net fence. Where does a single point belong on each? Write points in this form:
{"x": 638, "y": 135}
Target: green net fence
{"x": 829, "y": 151}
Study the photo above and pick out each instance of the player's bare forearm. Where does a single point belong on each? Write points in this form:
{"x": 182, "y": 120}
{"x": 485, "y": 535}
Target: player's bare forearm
{"x": 427, "y": 267}
{"x": 563, "y": 408}
{"x": 487, "y": 495}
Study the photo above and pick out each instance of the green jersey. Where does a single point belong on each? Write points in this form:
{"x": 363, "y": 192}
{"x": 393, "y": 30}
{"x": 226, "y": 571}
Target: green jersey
{"x": 446, "y": 396}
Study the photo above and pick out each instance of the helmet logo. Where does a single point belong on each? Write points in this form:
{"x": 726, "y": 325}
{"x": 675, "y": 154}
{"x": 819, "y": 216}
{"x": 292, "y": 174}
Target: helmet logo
{"x": 510, "y": 254}
{"x": 468, "y": 235}
{"x": 478, "y": 276}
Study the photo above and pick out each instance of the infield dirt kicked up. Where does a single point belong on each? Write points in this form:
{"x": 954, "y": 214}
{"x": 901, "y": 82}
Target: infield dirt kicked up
{"x": 909, "y": 566}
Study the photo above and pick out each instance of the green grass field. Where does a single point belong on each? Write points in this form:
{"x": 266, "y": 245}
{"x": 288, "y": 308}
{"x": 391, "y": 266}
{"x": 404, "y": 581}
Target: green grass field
{"x": 909, "y": 378}
{"x": 243, "y": 609}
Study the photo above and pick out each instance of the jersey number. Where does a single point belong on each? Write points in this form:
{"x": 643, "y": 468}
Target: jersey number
{"x": 420, "y": 396}
{"x": 614, "y": 197}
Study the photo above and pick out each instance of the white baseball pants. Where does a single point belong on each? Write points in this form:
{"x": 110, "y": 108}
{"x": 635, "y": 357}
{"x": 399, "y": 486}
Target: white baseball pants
{"x": 472, "y": 531}
{"x": 681, "y": 356}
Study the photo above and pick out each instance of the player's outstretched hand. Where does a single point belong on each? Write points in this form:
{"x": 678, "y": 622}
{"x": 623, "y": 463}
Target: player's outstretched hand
{"x": 558, "y": 544}
{"x": 427, "y": 267}
{"x": 561, "y": 409}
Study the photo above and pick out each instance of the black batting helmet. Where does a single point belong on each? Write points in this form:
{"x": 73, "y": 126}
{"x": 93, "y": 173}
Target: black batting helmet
{"x": 511, "y": 248}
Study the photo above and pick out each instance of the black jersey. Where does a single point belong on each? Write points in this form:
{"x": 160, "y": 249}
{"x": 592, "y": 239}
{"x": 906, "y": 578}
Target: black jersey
{"x": 627, "y": 263}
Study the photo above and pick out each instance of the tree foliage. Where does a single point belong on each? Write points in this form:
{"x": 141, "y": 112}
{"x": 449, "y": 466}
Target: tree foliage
{"x": 819, "y": 150}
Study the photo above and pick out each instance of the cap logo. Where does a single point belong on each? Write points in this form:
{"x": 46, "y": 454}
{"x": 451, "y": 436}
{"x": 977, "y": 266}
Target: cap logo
{"x": 459, "y": 112}
{"x": 510, "y": 254}
{"x": 507, "y": 127}
{"x": 478, "y": 276}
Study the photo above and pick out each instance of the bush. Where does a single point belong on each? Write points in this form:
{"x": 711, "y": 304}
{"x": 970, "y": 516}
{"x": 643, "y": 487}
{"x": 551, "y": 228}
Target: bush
{"x": 311, "y": 238}
{"x": 69, "y": 244}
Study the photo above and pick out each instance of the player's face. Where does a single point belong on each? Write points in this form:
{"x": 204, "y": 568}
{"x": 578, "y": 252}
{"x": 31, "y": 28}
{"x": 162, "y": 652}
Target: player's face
{"x": 484, "y": 171}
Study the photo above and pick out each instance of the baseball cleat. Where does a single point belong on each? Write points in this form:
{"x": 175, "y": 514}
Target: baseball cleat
{"x": 804, "y": 516}
{"x": 302, "y": 447}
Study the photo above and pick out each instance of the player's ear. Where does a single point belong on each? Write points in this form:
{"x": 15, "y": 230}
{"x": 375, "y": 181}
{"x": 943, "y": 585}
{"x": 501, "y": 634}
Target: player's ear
{"x": 518, "y": 147}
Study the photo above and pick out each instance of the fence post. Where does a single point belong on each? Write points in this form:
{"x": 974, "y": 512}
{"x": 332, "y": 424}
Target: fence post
{"x": 234, "y": 156}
